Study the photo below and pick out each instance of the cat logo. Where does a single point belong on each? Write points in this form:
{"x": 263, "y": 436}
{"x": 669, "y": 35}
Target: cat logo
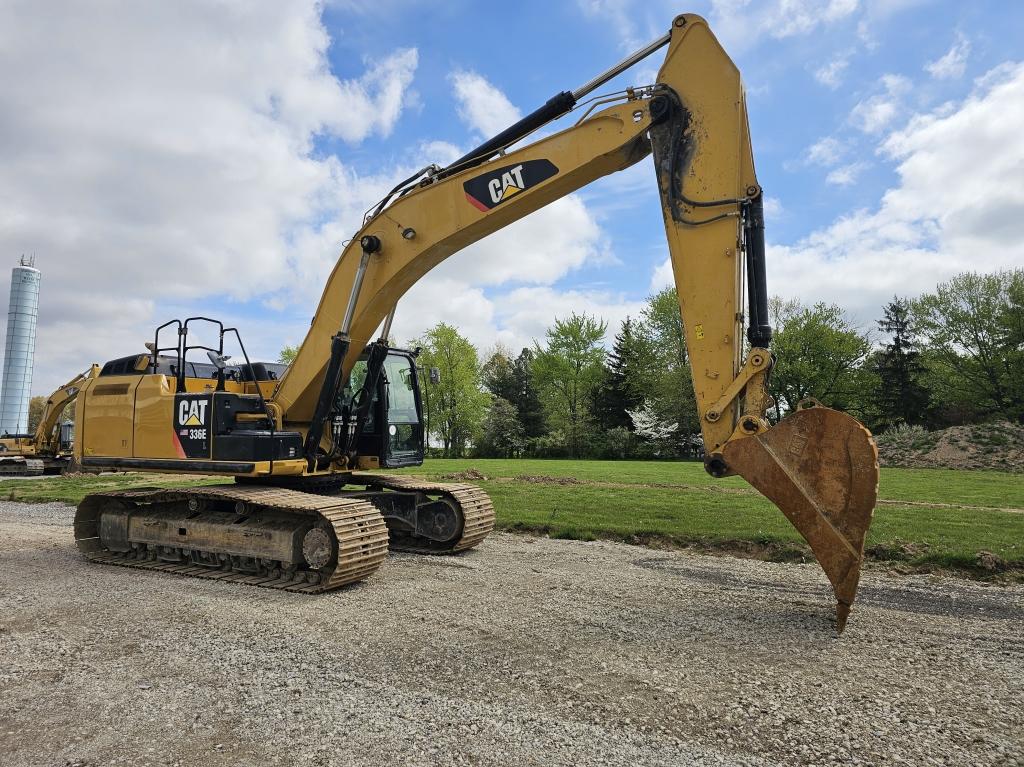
{"x": 494, "y": 187}
{"x": 511, "y": 183}
{"x": 192, "y": 412}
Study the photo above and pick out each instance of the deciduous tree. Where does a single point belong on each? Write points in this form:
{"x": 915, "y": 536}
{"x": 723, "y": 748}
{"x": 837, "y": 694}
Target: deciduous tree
{"x": 36, "y": 405}
{"x": 820, "y": 354}
{"x": 566, "y": 368}
{"x": 457, "y": 401}
{"x": 502, "y": 433}
{"x": 974, "y": 328}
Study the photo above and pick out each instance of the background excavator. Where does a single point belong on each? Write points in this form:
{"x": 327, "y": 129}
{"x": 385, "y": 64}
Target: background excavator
{"x": 304, "y": 514}
{"x": 47, "y": 450}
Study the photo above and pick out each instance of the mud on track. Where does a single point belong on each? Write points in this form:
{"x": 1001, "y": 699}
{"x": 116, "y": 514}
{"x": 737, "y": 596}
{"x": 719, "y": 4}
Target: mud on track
{"x": 524, "y": 651}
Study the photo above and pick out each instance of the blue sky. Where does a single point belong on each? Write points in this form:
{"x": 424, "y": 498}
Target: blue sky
{"x": 195, "y": 159}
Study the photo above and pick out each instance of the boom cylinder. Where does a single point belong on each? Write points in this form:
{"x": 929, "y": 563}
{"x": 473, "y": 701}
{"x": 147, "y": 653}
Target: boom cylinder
{"x": 554, "y": 108}
{"x": 340, "y": 343}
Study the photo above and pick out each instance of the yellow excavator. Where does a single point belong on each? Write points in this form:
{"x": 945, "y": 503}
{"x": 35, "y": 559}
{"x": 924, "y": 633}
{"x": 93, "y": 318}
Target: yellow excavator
{"x": 48, "y": 449}
{"x": 309, "y": 510}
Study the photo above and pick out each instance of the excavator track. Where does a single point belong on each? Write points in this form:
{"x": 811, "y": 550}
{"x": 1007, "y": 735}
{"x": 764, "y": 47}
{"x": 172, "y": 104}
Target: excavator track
{"x": 472, "y": 501}
{"x": 17, "y": 466}
{"x": 345, "y": 541}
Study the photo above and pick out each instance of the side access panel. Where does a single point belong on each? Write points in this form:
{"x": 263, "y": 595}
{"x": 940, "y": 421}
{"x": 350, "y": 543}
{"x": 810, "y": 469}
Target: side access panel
{"x": 155, "y": 434}
{"x": 108, "y": 426}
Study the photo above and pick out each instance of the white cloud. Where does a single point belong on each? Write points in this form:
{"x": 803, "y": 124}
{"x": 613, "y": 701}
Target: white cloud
{"x": 482, "y": 106}
{"x": 773, "y": 208}
{"x": 831, "y": 74}
{"x": 953, "y": 63}
{"x": 620, "y": 16}
{"x": 739, "y": 23}
{"x": 440, "y": 152}
{"x": 539, "y": 249}
{"x": 877, "y": 112}
{"x": 163, "y": 152}
{"x": 846, "y": 175}
{"x": 513, "y": 318}
{"x": 663, "y": 276}
{"x": 878, "y": 11}
{"x": 958, "y": 206}
{"x": 826, "y": 152}
{"x": 526, "y": 313}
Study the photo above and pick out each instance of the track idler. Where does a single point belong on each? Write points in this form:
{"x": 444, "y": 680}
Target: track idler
{"x": 820, "y": 467}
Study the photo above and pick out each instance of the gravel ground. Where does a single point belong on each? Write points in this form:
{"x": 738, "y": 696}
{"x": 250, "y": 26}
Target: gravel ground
{"x": 524, "y": 652}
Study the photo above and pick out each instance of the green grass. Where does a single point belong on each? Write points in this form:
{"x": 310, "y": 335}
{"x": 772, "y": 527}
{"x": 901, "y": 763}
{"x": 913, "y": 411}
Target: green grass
{"x": 938, "y": 486}
{"x": 928, "y": 518}
{"x": 72, "y": 489}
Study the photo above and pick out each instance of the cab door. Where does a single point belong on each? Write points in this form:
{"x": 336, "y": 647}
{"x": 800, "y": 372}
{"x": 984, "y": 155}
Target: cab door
{"x": 403, "y": 443}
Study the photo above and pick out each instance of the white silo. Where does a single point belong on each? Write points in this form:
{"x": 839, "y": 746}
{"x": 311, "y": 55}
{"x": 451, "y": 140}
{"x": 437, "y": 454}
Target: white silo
{"x": 21, "y": 347}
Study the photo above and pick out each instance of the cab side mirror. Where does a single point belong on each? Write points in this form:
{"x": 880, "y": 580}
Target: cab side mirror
{"x": 435, "y": 376}
{"x": 220, "y": 360}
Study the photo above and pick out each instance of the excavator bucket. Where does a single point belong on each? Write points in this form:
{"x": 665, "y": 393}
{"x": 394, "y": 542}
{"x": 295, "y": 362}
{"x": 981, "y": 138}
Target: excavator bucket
{"x": 820, "y": 467}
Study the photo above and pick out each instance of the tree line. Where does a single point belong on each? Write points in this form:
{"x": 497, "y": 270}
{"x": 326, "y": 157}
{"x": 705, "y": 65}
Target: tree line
{"x": 952, "y": 356}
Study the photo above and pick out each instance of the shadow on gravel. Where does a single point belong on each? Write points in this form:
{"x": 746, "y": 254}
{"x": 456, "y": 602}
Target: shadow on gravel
{"x": 951, "y": 601}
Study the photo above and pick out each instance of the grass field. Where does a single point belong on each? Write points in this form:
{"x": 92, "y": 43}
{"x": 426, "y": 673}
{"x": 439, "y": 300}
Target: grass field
{"x": 926, "y": 518}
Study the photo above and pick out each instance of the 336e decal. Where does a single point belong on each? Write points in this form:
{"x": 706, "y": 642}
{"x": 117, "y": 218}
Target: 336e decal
{"x": 495, "y": 186}
{"x": 191, "y": 436}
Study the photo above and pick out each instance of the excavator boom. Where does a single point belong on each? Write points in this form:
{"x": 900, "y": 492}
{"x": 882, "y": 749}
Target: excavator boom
{"x": 42, "y": 452}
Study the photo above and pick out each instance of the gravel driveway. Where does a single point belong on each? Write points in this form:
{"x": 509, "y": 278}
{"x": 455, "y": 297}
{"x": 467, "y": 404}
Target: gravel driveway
{"x": 524, "y": 652}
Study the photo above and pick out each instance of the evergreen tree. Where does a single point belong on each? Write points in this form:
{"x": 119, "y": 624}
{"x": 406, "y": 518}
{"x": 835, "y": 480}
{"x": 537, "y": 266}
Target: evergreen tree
{"x": 512, "y": 381}
{"x": 619, "y": 390}
{"x": 665, "y": 378}
{"x": 527, "y": 396}
{"x": 900, "y": 397}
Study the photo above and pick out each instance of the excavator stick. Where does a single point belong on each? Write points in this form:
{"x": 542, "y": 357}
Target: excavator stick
{"x": 820, "y": 467}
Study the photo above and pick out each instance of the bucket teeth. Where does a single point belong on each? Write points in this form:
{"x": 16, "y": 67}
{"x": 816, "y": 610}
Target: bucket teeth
{"x": 842, "y": 613}
{"x": 820, "y": 467}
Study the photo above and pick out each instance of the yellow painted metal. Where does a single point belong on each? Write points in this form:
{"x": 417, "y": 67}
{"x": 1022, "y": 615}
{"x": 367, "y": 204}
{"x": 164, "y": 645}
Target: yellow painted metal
{"x": 154, "y": 418}
{"x": 445, "y": 222}
{"x": 104, "y": 416}
{"x": 706, "y": 260}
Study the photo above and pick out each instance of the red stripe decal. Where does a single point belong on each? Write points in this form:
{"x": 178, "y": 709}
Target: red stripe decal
{"x": 476, "y": 203}
{"x": 177, "y": 445}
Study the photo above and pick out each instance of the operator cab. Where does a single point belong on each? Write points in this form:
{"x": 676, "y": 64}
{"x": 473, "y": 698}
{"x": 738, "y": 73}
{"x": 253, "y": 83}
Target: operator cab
{"x": 393, "y": 430}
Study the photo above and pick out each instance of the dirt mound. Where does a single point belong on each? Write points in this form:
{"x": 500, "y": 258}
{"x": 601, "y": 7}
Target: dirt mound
{"x": 543, "y": 479}
{"x": 997, "y": 446}
{"x": 461, "y": 476}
